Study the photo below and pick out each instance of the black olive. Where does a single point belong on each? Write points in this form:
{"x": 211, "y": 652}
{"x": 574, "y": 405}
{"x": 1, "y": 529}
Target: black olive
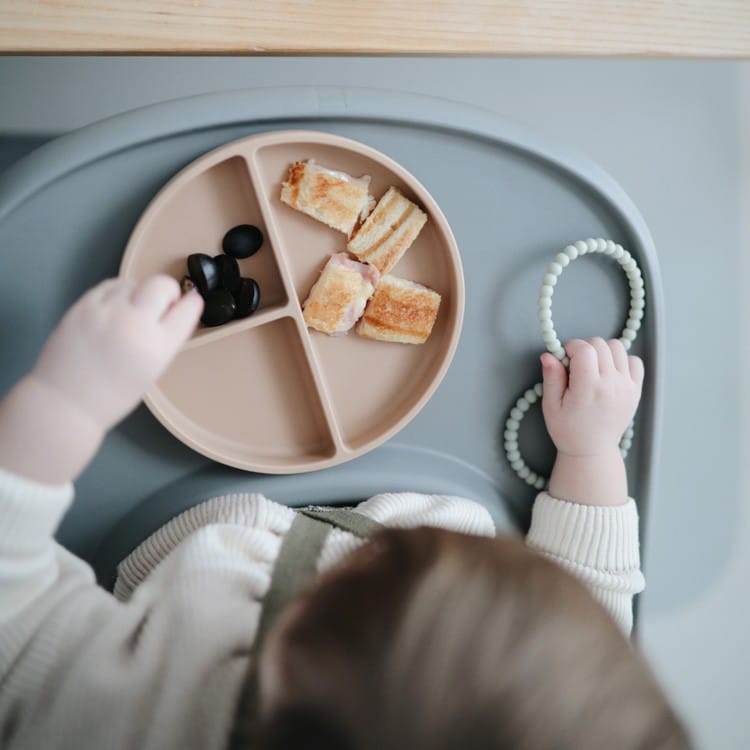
{"x": 229, "y": 272}
{"x": 242, "y": 241}
{"x": 219, "y": 308}
{"x": 186, "y": 284}
{"x": 203, "y": 272}
{"x": 247, "y": 298}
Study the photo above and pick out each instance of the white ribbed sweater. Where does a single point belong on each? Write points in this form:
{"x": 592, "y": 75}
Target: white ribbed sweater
{"x": 161, "y": 664}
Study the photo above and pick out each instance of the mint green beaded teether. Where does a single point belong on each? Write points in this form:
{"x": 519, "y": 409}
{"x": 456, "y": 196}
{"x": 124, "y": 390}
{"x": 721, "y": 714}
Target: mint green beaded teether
{"x": 554, "y": 346}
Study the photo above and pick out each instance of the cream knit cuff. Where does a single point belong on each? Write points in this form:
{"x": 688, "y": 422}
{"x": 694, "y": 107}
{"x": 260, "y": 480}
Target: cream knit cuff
{"x": 30, "y": 511}
{"x": 605, "y": 538}
{"x": 598, "y": 545}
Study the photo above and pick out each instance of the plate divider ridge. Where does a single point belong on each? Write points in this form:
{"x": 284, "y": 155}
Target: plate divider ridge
{"x": 269, "y": 219}
{"x": 256, "y": 320}
{"x": 320, "y": 386}
{"x": 294, "y": 308}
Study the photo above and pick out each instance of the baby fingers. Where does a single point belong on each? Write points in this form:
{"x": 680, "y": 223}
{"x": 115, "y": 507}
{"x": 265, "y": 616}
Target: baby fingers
{"x": 584, "y": 364}
{"x": 635, "y": 365}
{"x": 619, "y": 355}
{"x": 156, "y": 295}
{"x": 603, "y": 355}
{"x": 182, "y": 317}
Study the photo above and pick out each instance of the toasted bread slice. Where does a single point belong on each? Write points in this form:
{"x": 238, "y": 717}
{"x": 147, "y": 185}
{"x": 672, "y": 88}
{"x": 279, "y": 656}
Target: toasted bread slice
{"x": 339, "y": 296}
{"x": 335, "y": 198}
{"x": 401, "y": 311}
{"x": 388, "y": 232}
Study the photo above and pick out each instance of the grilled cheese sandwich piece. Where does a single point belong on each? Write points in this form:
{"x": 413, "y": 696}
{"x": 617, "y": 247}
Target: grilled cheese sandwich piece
{"x": 401, "y": 311}
{"x": 335, "y": 198}
{"x": 339, "y": 296}
{"x": 388, "y": 232}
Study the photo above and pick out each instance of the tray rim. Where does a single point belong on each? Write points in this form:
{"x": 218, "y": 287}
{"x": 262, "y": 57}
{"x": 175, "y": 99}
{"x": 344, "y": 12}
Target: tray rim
{"x": 247, "y": 148}
{"x": 78, "y": 148}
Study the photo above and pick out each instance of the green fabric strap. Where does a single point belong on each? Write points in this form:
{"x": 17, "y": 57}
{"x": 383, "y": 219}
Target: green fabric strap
{"x": 345, "y": 519}
{"x": 295, "y": 568}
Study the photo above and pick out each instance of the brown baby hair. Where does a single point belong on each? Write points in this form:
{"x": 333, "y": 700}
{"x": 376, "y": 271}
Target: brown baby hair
{"x": 432, "y": 639}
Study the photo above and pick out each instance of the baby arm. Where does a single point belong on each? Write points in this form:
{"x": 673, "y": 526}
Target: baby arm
{"x": 94, "y": 369}
{"x": 586, "y": 520}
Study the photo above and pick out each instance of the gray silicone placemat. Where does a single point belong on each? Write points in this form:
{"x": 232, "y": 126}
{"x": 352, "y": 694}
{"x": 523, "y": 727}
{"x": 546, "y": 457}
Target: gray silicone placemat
{"x": 512, "y": 200}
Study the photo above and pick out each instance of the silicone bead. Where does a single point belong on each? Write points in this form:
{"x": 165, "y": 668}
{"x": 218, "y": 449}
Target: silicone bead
{"x": 545, "y": 314}
{"x": 513, "y": 455}
{"x": 592, "y": 245}
{"x": 581, "y": 246}
{"x": 515, "y": 413}
{"x": 571, "y": 252}
{"x": 546, "y": 291}
{"x": 555, "y": 268}
{"x": 518, "y": 464}
{"x": 540, "y": 483}
{"x": 549, "y": 278}
{"x": 512, "y": 424}
{"x": 545, "y": 303}
{"x": 530, "y": 396}
{"x": 524, "y": 472}
{"x": 538, "y": 389}
{"x": 562, "y": 259}
{"x": 628, "y": 334}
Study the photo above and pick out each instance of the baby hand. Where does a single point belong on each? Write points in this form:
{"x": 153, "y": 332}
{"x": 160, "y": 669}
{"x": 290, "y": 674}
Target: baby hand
{"x": 588, "y": 408}
{"x": 114, "y": 343}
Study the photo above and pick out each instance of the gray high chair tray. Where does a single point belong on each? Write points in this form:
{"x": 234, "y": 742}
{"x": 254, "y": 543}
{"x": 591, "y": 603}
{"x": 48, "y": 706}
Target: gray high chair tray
{"x": 513, "y": 202}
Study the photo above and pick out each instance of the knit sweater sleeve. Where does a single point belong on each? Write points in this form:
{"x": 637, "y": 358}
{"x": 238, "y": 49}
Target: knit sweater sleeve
{"x": 80, "y": 669}
{"x": 29, "y": 563}
{"x": 599, "y": 545}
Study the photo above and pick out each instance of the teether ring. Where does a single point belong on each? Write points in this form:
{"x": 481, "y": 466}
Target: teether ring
{"x": 554, "y": 346}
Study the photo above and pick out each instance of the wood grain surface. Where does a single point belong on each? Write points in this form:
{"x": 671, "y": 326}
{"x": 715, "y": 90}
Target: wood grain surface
{"x": 688, "y": 28}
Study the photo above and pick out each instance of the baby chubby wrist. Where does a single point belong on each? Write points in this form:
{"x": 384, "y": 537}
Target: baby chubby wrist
{"x": 605, "y": 450}
{"x": 43, "y": 436}
{"x": 64, "y": 399}
{"x": 590, "y": 479}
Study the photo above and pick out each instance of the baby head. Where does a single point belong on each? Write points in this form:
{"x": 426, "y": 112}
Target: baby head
{"x": 433, "y": 639}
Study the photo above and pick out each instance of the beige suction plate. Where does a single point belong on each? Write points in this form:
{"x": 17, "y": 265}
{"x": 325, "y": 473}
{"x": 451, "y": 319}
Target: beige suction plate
{"x": 265, "y": 393}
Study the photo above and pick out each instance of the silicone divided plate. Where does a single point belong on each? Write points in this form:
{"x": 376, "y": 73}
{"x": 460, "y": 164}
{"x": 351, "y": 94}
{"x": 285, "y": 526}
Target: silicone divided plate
{"x": 266, "y": 393}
